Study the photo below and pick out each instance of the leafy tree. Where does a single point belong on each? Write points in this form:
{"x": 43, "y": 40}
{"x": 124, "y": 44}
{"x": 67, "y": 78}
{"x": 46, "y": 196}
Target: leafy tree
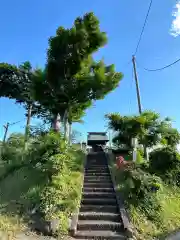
{"x": 16, "y": 83}
{"x": 76, "y": 114}
{"x": 71, "y": 77}
{"x": 148, "y": 128}
{"x": 10, "y": 79}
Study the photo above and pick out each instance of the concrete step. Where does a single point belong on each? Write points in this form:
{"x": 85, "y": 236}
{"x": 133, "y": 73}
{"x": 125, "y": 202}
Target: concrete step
{"x": 98, "y": 225}
{"x": 89, "y": 174}
{"x": 101, "y": 235}
{"x": 115, "y": 217}
{"x": 99, "y": 195}
{"x": 97, "y": 163}
{"x": 96, "y": 169}
{"x": 99, "y": 201}
{"x": 100, "y": 189}
{"x": 95, "y": 180}
{"x": 98, "y": 184}
{"x": 97, "y": 177}
{"x": 96, "y": 166}
{"x": 99, "y": 208}
{"x": 94, "y": 172}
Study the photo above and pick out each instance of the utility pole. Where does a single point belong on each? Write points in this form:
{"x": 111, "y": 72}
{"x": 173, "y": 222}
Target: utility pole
{"x": 29, "y": 115}
{"x": 137, "y": 85}
{"x": 5, "y": 133}
{"x": 7, "y": 128}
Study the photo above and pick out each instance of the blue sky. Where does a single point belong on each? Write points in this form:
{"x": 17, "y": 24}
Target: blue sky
{"x": 27, "y": 26}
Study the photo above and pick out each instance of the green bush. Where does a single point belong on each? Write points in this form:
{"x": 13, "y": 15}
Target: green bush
{"x": 140, "y": 189}
{"x": 165, "y": 162}
{"x": 62, "y": 167}
{"x": 140, "y": 158}
{"x": 57, "y": 192}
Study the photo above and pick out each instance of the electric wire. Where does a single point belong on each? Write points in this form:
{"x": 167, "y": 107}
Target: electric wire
{"x": 144, "y": 25}
{"x": 160, "y": 69}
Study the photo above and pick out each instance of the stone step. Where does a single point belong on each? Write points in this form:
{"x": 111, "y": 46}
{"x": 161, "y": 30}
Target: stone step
{"x": 101, "y": 235}
{"x": 98, "y": 184}
{"x": 89, "y": 171}
{"x": 99, "y": 208}
{"x": 99, "y": 195}
{"x": 96, "y": 169}
{"x": 115, "y": 217}
{"x": 98, "y": 225}
{"x": 96, "y": 166}
{"x": 100, "y": 189}
{"x": 97, "y": 177}
{"x": 101, "y": 164}
{"x": 97, "y": 174}
{"x": 95, "y": 180}
{"x": 99, "y": 201}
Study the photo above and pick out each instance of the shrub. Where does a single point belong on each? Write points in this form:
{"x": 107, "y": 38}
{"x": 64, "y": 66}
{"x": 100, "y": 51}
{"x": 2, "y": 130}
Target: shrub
{"x": 140, "y": 158}
{"x": 62, "y": 168}
{"x": 140, "y": 189}
{"x": 165, "y": 162}
{"x": 57, "y": 192}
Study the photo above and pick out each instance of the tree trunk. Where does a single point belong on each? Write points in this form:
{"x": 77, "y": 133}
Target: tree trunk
{"x": 70, "y": 134}
{"x": 56, "y": 124}
{"x": 66, "y": 126}
{"x": 29, "y": 115}
{"x": 28, "y": 125}
{"x": 66, "y": 129}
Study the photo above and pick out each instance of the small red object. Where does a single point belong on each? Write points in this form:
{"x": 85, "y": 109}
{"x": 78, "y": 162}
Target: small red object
{"x": 120, "y": 161}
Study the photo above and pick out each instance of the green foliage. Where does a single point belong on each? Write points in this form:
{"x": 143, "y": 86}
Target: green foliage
{"x": 165, "y": 162}
{"x": 55, "y": 185}
{"x": 61, "y": 195}
{"x": 139, "y": 157}
{"x": 140, "y": 189}
{"x": 153, "y": 213}
{"x": 12, "y": 154}
{"x": 72, "y": 79}
{"x": 10, "y": 83}
{"x": 16, "y": 82}
{"x": 171, "y": 137}
{"x": 148, "y": 128}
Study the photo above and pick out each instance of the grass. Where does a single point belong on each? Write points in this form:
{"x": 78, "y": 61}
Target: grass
{"x": 15, "y": 197}
{"x": 18, "y": 191}
{"x": 169, "y": 199}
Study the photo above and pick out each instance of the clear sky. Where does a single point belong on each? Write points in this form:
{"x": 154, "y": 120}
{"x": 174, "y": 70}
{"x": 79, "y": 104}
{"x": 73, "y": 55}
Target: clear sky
{"x": 27, "y": 25}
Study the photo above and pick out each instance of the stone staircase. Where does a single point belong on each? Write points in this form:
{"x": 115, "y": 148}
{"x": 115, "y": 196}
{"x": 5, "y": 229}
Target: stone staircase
{"x": 99, "y": 216}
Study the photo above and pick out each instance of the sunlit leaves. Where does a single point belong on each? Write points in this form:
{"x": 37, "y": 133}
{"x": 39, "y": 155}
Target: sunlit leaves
{"x": 148, "y": 127}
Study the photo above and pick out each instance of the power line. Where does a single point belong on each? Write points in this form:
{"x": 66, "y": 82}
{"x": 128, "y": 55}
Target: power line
{"x": 10, "y": 124}
{"x": 160, "y": 69}
{"x": 143, "y": 27}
